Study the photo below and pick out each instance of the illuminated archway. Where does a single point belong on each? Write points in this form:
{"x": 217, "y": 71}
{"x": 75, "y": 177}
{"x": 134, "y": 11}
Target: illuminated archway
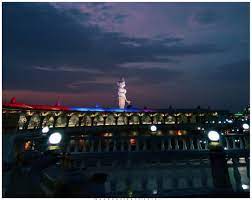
{"x": 122, "y": 120}
{"x": 48, "y": 121}
{"x": 158, "y": 119}
{"x": 134, "y": 119}
{"x": 170, "y": 120}
{"x": 110, "y": 120}
{"x": 73, "y": 121}
{"x": 22, "y": 121}
{"x": 193, "y": 119}
{"x": 61, "y": 121}
{"x": 86, "y": 121}
{"x": 146, "y": 119}
{"x": 183, "y": 119}
{"x": 98, "y": 120}
{"x": 34, "y": 121}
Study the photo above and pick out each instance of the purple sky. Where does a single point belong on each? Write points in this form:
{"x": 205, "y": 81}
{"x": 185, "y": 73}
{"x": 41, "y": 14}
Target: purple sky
{"x": 179, "y": 54}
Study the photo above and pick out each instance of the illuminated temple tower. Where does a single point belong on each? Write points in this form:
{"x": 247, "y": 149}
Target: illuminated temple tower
{"x": 122, "y": 93}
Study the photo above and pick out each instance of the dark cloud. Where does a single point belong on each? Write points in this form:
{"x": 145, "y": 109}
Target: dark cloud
{"x": 206, "y": 17}
{"x": 46, "y": 48}
{"x": 236, "y": 72}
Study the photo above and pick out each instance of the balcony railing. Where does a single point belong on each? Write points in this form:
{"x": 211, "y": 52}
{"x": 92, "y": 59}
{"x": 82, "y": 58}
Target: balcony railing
{"x": 152, "y": 143}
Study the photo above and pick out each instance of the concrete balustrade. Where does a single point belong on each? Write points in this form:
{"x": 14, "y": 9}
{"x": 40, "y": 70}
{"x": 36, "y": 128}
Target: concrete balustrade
{"x": 235, "y": 142}
{"x": 160, "y": 143}
{"x": 156, "y": 182}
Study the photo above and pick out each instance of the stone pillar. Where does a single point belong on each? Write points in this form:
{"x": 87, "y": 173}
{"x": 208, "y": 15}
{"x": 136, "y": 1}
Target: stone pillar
{"x": 144, "y": 146}
{"x": 92, "y": 146}
{"x": 191, "y": 144}
{"x": 84, "y": 146}
{"x": 176, "y": 144}
{"x": 152, "y": 119}
{"x": 176, "y": 119}
{"x": 129, "y": 146}
{"x": 76, "y": 146}
{"x": 237, "y": 176}
{"x": 199, "y": 144}
{"x": 162, "y": 145}
{"x": 128, "y": 120}
{"x": 163, "y": 121}
{"x": 114, "y": 145}
{"x": 80, "y": 118}
{"x": 188, "y": 119}
{"x": 41, "y": 121}
{"x": 234, "y": 143}
{"x": 169, "y": 144}
{"x": 104, "y": 120}
{"x": 137, "y": 144}
{"x": 92, "y": 120}
{"x": 140, "y": 120}
{"x": 227, "y": 142}
{"x": 160, "y": 184}
{"x": 107, "y": 145}
{"x": 116, "y": 120}
{"x": 241, "y": 143}
{"x": 247, "y": 165}
{"x": 68, "y": 120}
{"x": 99, "y": 146}
{"x": 203, "y": 173}
{"x": 55, "y": 120}
{"x": 122, "y": 145}
{"x": 184, "y": 144}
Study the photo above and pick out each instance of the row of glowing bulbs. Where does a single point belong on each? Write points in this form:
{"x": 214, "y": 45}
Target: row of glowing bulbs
{"x": 56, "y": 137}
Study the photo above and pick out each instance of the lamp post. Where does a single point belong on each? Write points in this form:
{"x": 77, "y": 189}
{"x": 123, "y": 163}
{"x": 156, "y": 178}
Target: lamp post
{"x": 219, "y": 166}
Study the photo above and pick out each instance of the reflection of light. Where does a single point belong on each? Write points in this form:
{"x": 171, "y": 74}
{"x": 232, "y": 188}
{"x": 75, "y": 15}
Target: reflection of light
{"x": 27, "y": 145}
{"x": 225, "y": 148}
{"x": 213, "y": 122}
{"x": 45, "y": 129}
{"x": 154, "y": 191}
{"x": 132, "y": 141}
{"x": 153, "y": 128}
{"x": 229, "y": 121}
{"x": 134, "y": 133}
{"x": 245, "y": 126}
{"x": 219, "y": 122}
{"x": 55, "y": 138}
{"x": 245, "y": 187}
{"x": 107, "y": 134}
{"x": 213, "y": 135}
{"x": 179, "y": 132}
{"x": 198, "y": 128}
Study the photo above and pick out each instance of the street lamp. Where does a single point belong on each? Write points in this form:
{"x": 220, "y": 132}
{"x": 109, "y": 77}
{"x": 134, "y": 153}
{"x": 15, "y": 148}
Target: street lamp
{"x": 214, "y": 136}
{"x": 55, "y": 138}
{"x": 153, "y": 128}
{"x": 245, "y": 126}
{"x": 45, "y": 129}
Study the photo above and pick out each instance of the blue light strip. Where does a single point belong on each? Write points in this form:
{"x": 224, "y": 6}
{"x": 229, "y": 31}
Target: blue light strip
{"x": 83, "y": 109}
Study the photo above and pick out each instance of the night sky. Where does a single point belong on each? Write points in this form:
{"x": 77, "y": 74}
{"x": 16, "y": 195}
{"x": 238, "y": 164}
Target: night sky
{"x": 179, "y": 54}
